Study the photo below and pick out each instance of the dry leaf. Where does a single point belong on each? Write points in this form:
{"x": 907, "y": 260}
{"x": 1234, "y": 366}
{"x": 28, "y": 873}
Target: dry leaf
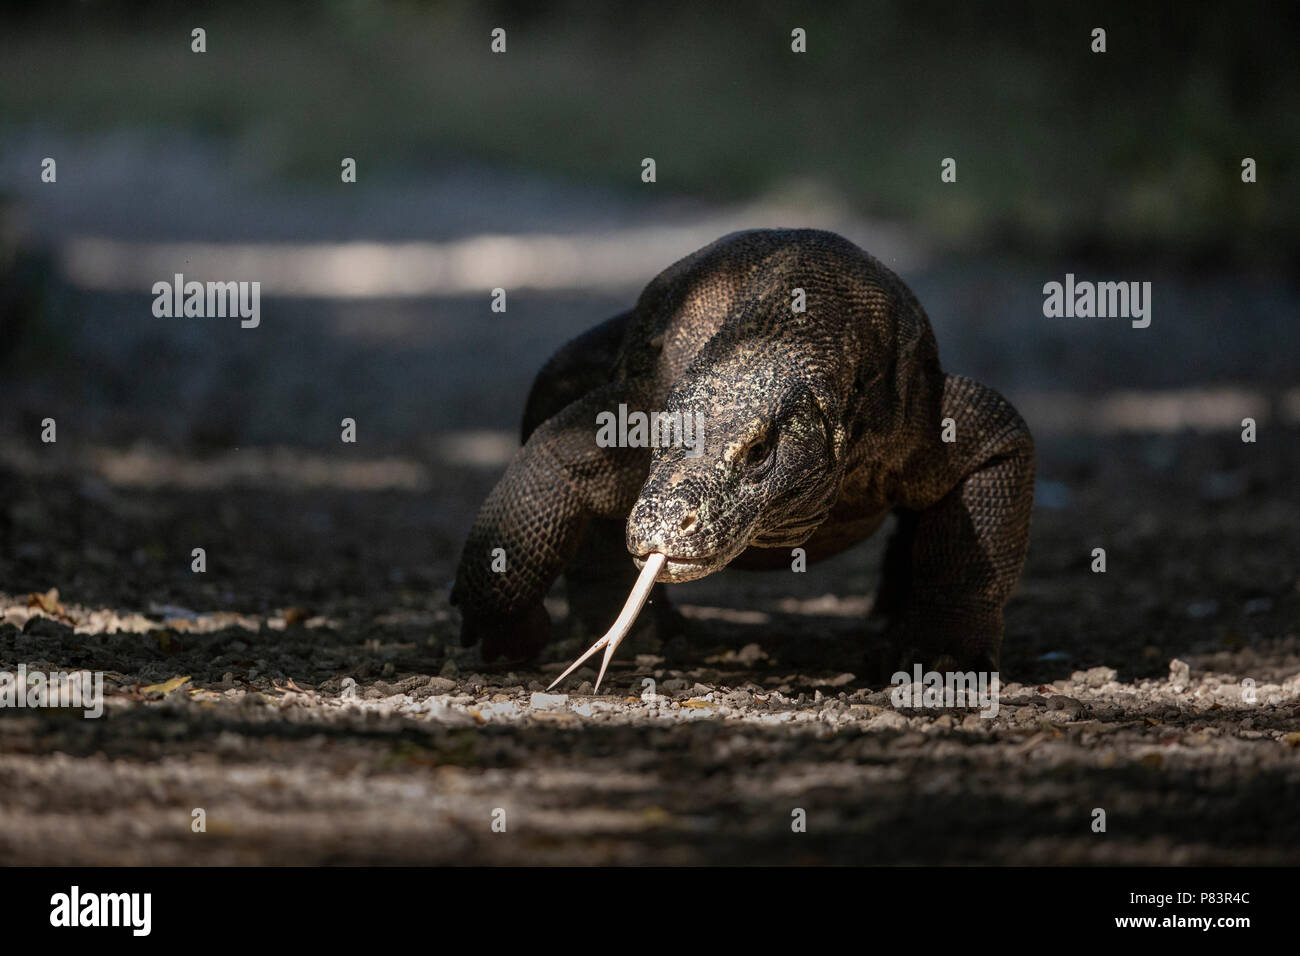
{"x": 295, "y": 615}
{"x": 166, "y": 687}
{"x": 656, "y": 816}
{"x": 47, "y": 602}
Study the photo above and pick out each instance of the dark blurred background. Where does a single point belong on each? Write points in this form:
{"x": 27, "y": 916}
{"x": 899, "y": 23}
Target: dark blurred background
{"x": 522, "y": 171}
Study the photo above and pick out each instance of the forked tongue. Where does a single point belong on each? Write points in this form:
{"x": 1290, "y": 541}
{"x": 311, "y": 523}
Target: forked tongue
{"x": 614, "y": 636}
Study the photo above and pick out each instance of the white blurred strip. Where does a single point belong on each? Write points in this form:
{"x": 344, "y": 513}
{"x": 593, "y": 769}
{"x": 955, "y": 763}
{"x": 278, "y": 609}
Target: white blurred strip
{"x": 476, "y": 449}
{"x": 287, "y": 469}
{"x": 1196, "y": 409}
{"x": 356, "y": 270}
{"x": 142, "y": 467}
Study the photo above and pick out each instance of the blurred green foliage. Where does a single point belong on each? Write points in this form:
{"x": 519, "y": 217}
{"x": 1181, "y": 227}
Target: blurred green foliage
{"x": 1134, "y": 151}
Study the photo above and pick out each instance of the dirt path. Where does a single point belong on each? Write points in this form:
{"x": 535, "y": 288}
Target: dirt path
{"x": 757, "y": 716}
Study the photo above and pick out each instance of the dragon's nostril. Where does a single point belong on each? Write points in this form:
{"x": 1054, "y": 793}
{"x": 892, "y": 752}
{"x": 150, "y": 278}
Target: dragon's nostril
{"x": 688, "y": 523}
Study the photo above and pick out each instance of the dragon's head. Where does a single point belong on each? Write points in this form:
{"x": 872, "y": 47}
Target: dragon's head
{"x": 764, "y": 471}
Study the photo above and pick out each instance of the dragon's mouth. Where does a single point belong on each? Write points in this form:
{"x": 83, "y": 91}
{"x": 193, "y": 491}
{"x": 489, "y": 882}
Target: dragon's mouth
{"x": 676, "y": 570}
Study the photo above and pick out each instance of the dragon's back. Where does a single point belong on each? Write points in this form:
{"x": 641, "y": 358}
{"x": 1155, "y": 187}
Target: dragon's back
{"x": 803, "y": 300}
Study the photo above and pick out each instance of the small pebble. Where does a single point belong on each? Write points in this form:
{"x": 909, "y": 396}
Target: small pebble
{"x": 1099, "y": 676}
{"x": 1062, "y": 704}
{"x": 540, "y": 701}
{"x": 441, "y": 685}
{"x": 889, "y": 720}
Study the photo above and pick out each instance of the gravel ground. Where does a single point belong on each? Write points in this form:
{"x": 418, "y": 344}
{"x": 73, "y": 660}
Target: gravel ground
{"x": 417, "y": 765}
{"x": 350, "y": 727}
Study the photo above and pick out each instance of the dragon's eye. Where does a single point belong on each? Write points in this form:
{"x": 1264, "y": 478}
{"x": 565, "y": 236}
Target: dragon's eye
{"x": 758, "y": 454}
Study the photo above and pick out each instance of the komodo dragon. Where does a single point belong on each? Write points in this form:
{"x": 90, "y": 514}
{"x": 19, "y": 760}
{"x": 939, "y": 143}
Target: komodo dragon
{"x": 817, "y": 424}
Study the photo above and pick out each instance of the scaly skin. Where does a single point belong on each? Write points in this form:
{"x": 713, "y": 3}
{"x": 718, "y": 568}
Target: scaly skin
{"x": 816, "y": 426}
